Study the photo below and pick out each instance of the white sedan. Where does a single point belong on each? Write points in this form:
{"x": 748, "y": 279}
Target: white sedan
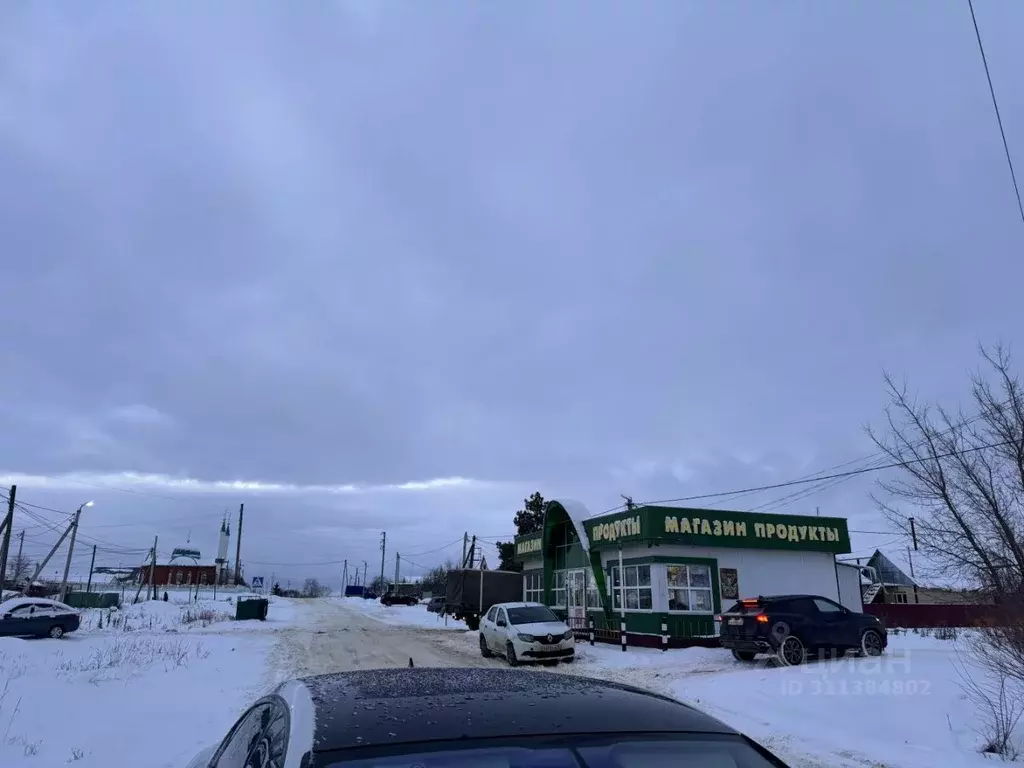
{"x": 525, "y": 632}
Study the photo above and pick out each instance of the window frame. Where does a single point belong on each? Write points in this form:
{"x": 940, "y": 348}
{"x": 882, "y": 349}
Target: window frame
{"x": 534, "y": 593}
{"x": 614, "y": 589}
{"x": 710, "y": 589}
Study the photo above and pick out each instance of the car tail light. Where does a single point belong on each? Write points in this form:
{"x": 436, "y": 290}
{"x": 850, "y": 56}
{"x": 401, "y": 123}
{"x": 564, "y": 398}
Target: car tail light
{"x": 761, "y": 618}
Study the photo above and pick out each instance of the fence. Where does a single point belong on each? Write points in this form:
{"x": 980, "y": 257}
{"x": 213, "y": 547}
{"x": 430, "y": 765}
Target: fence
{"x": 929, "y": 616}
{"x": 607, "y": 630}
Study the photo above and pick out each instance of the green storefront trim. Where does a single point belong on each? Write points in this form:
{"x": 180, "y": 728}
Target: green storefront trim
{"x": 656, "y": 526}
{"x": 649, "y": 622}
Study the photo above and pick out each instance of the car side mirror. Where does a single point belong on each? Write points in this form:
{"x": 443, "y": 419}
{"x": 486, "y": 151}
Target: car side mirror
{"x": 7, "y": 615}
{"x": 502, "y": 623}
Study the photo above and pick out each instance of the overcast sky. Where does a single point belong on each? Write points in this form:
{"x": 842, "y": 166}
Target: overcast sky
{"x": 395, "y": 266}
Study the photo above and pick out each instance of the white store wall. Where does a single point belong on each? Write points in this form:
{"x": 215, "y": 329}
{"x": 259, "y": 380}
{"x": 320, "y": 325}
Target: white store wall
{"x": 759, "y": 571}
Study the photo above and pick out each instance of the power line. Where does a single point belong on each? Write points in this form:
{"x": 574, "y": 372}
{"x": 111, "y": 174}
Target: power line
{"x": 995, "y": 106}
{"x": 850, "y": 473}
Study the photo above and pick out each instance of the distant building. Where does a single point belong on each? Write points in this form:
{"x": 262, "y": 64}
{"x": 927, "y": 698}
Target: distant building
{"x": 890, "y": 585}
{"x": 185, "y": 567}
{"x": 177, "y": 574}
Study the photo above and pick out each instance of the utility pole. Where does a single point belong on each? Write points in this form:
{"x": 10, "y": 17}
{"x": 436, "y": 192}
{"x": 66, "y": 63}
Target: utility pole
{"x": 238, "y": 545}
{"x": 365, "y": 566}
{"x": 397, "y": 560}
{"x": 910, "y": 559}
{"x": 21, "y": 543}
{"x": 152, "y": 566}
{"x": 344, "y": 579}
{"x": 383, "y": 544}
{"x": 472, "y": 553}
{"x": 39, "y": 568}
{"x": 92, "y": 566}
{"x": 6, "y": 527}
{"x": 465, "y": 543}
{"x": 71, "y": 551}
{"x": 913, "y": 532}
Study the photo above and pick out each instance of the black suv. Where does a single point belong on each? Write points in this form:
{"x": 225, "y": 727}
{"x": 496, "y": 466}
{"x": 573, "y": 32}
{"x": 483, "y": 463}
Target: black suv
{"x": 792, "y": 625}
{"x": 390, "y": 598}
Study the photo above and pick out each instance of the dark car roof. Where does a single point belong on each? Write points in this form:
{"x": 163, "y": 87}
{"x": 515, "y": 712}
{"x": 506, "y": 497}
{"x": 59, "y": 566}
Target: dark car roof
{"x": 392, "y": 706}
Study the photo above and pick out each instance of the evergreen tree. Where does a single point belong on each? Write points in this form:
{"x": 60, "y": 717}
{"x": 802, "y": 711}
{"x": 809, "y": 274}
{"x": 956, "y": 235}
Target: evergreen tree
{"x": 530, "y": 518}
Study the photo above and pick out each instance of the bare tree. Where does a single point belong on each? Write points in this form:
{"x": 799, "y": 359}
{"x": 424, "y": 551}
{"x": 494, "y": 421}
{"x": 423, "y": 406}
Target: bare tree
{"x": 18, "y": 569}
{"x": 962, "y": 478}
{"x": 313, "y": 588}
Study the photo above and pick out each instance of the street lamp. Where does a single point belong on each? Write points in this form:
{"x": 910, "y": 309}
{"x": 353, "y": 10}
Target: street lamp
{"x": 71, "y": 549}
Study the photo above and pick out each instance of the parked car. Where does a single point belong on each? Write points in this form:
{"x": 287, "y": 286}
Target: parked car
{"x": 462, "y": 717}
{"x": 37, "y": 616}
{"x": 390, "y": 598}
{"x": 525, "y": 632}
{"x": 436, "y": 605}
{"x": 790, "y": 626}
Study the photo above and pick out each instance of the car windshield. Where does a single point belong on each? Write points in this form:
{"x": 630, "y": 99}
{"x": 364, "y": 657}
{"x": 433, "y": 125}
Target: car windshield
{"x": 727, "y": 752}
{"x": 530, "y": 615}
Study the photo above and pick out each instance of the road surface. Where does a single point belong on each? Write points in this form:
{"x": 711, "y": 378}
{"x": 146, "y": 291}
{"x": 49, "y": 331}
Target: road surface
{"x": 336, "y": 638}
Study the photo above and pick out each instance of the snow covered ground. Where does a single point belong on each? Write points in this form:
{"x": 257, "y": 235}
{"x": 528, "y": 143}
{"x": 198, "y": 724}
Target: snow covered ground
{"x": 904, "y": 710}
{"x": 173, "y": 676}
{"x": 399, "y": 615}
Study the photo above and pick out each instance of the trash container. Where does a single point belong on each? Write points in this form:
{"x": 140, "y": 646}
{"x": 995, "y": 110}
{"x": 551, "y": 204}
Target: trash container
{"x": 251, "y": 608}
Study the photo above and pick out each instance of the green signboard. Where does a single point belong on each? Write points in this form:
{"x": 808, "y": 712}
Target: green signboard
{"x": 707, "y": 528}
{"x": 528, "y": 545}
{"x": 719, "y": 528}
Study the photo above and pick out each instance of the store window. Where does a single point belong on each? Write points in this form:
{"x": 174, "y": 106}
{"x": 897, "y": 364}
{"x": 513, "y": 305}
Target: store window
{"x": 534, "y": 587}
{"x": 637, "y": 588}
{"x": 689, "y": 589}
{"x": 593, "y": 596}
{"x": 559, "y": 591}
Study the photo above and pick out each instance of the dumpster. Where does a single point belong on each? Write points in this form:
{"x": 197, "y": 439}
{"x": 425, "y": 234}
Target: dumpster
{"x": 251, "y": 607}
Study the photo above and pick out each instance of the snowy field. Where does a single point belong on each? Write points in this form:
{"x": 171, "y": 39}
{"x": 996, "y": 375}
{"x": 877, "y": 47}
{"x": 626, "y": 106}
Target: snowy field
{"x": 173, "y": 675}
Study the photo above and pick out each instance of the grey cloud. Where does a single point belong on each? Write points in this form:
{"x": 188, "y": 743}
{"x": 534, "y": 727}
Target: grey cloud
{"x": 600, "y": 251}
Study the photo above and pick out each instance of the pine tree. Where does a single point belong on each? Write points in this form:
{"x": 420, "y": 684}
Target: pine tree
{"x": 530, "y": 519}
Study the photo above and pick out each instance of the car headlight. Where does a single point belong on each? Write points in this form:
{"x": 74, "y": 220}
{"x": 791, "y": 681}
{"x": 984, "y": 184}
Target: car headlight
{"x": 526, "y": 638}
{"x": 567, "y": 635}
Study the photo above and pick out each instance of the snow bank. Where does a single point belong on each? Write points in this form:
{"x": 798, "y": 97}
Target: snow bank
{"x": 399, "y": 615}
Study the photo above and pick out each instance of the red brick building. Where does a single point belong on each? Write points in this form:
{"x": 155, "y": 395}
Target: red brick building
{"x": 178, "y": 574}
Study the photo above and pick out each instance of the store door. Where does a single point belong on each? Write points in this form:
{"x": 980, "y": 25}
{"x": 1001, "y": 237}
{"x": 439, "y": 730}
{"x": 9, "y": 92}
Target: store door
{"x": 576, "y": 596}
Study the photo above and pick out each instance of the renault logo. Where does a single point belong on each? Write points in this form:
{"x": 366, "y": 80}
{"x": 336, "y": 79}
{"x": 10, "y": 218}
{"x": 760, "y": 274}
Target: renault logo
{"x": 550, "y": 638}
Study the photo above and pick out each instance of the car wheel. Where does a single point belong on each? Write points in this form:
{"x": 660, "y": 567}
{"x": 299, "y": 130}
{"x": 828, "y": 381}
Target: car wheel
{"x": 792, "y": 651}
{"x": 743, "y": 655}
{"x": 56, "y": 632}
{"x": 484, "y": 650}
{"x": 510, "y": 654}
{"x": 870, "y": 643}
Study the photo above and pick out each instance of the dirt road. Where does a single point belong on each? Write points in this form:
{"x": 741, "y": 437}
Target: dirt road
{"x": 335, "y": 638}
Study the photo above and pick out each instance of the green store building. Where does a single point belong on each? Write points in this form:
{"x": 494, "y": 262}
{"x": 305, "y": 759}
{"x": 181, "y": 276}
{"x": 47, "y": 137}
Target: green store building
{"x": 680, "y": 567}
